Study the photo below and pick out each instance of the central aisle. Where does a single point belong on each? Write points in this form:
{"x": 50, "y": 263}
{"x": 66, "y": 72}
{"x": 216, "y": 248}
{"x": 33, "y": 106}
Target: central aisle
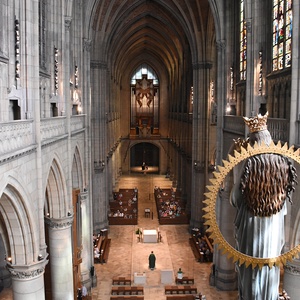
{"x": 127, "y": 255}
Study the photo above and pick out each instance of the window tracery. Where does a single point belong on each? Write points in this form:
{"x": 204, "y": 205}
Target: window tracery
{"x": 282, "y": 34}
{"x": 243, "y": 42}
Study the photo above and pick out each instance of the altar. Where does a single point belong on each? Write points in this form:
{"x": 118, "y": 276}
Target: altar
{"x": 139, "y": 278}
{"x": 150, "y": 236}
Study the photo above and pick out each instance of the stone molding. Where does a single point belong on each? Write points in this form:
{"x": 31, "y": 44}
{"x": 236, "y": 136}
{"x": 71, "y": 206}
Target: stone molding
{"x": 27, "y": 272}
{"x": 87, "y": 44}
{"x": 202, "y": 65}
{"x": 249, "y": 26}
{"x": 293, "y": 269}
{"x": 221, "y": 45}
{"x": 62, "y": 223}
{"x": 83, "y": 197}
{"x": 68, "y": 22}
{"x": 98, "y": 65}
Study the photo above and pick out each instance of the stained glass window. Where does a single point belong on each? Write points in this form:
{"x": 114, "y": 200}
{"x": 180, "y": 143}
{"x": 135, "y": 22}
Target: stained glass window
{"x": 243, "y": 42}
{"x": 282, "y": 34}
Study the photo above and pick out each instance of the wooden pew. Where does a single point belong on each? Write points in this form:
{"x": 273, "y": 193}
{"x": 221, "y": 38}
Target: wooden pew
{"x": 180, "y": 297}
{"x": 211, "y": 248}
{"x": 127, "y": 297}
{"x": 184, "y": 280}
{"x": 196, "y": 250}
{"x": 182, "y": 289}
{"x": 121, "y": 281}
{"x": 127, "y": 290}
{"x": 105, "y": 248}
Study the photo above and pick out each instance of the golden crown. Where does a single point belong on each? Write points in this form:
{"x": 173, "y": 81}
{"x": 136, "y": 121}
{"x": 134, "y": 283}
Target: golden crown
{"x": 257, "y": 123}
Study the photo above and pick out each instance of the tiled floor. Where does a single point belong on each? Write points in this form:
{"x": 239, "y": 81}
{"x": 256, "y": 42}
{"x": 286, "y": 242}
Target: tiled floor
{"x": 128, "y": 256}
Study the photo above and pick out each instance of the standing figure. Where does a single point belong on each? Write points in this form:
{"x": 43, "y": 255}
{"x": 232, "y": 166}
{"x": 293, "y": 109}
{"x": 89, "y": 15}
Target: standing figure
{"x": 152, "y": 260}
{"x": 179, "y": 274}
{"x": 266, "y": 181}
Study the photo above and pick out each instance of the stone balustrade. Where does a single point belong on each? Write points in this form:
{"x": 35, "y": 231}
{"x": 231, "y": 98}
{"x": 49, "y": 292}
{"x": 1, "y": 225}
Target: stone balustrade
{"x": 17, "y": 137}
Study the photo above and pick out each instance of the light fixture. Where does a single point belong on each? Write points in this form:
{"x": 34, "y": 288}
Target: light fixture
{"x": 99, "y": 166}
{"x": 55, "y": 70}
{"x": 76, "y": 77}
{"x": 231, "y": 79}
{"x": 198, "y": 166}
{"x": 8, "y": 259}
{"x": 260, "y": 77}
{"x": 17, "y": 49}
{"x": 228, "y": 108}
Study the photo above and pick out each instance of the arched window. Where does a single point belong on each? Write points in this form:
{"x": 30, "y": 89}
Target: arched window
{"x": 243, "y": 42}
{"x": 282, "y": 34}
{"x": 144, "y": 69}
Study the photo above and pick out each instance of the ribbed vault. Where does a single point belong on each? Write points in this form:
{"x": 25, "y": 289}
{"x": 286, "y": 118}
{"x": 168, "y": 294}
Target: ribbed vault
{"x": 165, "y": 33}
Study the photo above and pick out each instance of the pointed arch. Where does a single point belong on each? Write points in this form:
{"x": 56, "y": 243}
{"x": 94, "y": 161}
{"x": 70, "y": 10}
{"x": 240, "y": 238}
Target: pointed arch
{"x": 18, "y": 228}
{"x": 55, "y": 195}
{"x": 77, "y": 171}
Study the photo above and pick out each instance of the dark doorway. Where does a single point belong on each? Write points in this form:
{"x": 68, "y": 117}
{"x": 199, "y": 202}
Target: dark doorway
{"x": 144, "y": 153}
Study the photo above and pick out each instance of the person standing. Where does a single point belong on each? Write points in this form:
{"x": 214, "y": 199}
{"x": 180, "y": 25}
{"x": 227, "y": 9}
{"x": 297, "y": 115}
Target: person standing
{"x": 152, "y": 260}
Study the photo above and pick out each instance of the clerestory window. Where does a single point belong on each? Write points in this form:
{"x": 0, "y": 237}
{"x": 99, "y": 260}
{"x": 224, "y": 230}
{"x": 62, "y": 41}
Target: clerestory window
{"x": 243, "y": 42}
{"x": 282, "y": 34}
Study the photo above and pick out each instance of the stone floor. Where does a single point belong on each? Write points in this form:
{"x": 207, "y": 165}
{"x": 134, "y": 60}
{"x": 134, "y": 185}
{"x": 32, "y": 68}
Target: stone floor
{"x": 127, "y": 255}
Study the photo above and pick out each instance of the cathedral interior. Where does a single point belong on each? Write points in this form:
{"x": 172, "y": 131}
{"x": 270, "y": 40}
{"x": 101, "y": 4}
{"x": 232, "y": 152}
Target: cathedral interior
{"x": 95, "y": 93}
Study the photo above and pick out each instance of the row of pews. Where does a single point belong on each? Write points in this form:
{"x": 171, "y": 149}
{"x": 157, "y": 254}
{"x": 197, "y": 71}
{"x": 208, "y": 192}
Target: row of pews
{"x": 123, "y": 209}
{"x": 181, "y": 297}
{"x": 180, "y": 289}
{"x": 101, "y": 247}
{"x": 122, "y": 289}
{"x": 202, "y": 248}
{"x": 184, "y": 290}
{"x": 170, "y": 207}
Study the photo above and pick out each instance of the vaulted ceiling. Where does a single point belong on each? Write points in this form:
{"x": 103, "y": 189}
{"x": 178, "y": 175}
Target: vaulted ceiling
{"x": 166, "y": 33}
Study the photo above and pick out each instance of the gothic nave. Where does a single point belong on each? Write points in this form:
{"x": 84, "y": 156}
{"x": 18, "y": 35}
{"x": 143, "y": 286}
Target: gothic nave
{"x": 92, "y": 90}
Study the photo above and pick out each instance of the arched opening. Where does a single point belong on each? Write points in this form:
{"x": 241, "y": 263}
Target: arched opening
{"x": 144, "y": 157}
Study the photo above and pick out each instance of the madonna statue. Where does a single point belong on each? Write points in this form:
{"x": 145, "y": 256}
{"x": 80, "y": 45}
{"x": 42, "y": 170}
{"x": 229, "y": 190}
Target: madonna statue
{"x": 260, "y": 195}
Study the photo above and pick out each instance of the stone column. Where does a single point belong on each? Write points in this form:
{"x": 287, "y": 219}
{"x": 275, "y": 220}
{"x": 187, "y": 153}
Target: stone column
{"x": 87, "y": 257}
{"x": 60, "y": 250}
{"x": 200, "y": 139}
{"x": 100, "y": 151}
{"x": 224, "y": 274}
{"x": 295, "y": 108}
{"x": 250, "y": 105}
{"x": 28, "y": 281}
{"x": 291, "y": 279}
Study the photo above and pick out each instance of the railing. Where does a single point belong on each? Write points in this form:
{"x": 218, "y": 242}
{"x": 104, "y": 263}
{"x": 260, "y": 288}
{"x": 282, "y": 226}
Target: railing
{"x": 15, "y": 135}
{"x": 52, "y": 128}
{"x": 234, "y": 124}
{"x": 19, "y": 136}
{"x": 279, "y": 128}
{"x": 77, "y": 122}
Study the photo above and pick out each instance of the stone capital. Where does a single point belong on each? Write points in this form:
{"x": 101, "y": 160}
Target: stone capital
{"x": 62, "y": 223}
{"x": 83, "y": 197}
{"x": 68, "y": 21}
{"x": 202, "y": 65}
{"x": 293, "y": 268}
{"x": 98, "y": 65}
{"x": 221, "y": 45}
{"x": 87, "y": 44}
{"x": 27, "y": 271}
